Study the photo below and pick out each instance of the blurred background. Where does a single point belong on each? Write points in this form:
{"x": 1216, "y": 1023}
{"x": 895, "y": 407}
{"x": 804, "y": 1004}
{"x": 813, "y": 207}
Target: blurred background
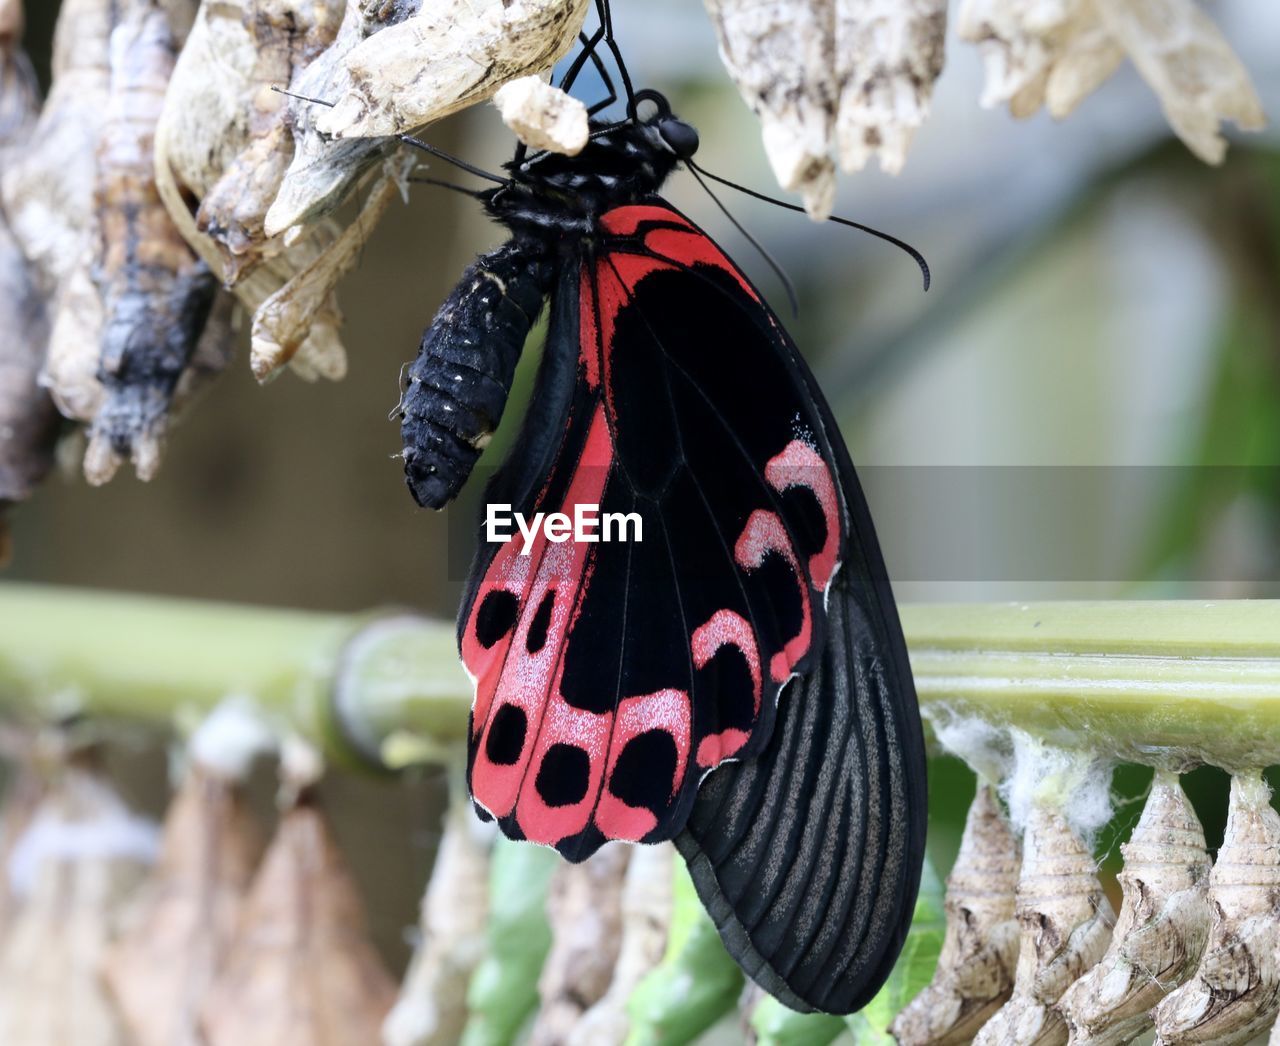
{"x": 1086, "y": 404}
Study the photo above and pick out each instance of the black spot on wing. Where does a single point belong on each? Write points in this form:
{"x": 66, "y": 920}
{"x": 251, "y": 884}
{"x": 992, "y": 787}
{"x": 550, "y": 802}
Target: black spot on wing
{"x": 507, "y": 735}
{"x": 645, "y": 770}
{"x": 804, "y": 516}
{"x": 496, "y": 616}
{"x": 728, "y": 677}
{"x": 536, "y": 638}
{"x": 564, "y": 775}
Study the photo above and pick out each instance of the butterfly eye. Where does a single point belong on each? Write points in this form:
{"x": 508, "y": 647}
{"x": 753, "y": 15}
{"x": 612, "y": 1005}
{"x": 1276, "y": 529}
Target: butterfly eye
{"x": 679, "y": 137}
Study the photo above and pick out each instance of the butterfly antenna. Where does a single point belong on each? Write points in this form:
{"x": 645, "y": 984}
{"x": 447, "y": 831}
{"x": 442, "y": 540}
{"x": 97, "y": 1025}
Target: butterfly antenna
{"x": 408, "y": 139}
{"x": 769, "y": 258}
{"x": 900, "y": 244}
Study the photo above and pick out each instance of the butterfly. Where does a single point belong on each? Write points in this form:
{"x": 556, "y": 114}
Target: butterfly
{"x": 734, "y": 679}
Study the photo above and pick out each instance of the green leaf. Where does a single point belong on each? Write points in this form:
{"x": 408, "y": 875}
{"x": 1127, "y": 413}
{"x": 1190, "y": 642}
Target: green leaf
{"x": 695, "y": 984}
{"x": 776, "y": 1025}
{"x": 504, "y": 989}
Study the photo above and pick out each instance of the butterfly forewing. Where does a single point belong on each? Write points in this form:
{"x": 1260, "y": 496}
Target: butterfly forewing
{"x": 612, "y": 676}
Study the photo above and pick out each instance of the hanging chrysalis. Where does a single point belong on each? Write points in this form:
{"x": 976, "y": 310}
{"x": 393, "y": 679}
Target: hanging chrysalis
{"x": 584, "y": 908}
{"x": 1235, "y": 992}
{"x": 646, "y": 923}
{"x": 301, "y": 970}
{"x": 1162, "y": 927}
{"x": 432, "y": 1007}
{"x": 1066, "y": 925}
{"x": 975, "y": 972}
{"x": 181, "y": 928}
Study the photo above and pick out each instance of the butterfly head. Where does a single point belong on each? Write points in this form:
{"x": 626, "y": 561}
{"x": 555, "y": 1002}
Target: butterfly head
{"x": 665, "y": 130}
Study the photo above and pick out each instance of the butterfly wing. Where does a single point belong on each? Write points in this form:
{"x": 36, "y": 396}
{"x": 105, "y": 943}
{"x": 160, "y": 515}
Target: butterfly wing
{"x": 611, "y": 678}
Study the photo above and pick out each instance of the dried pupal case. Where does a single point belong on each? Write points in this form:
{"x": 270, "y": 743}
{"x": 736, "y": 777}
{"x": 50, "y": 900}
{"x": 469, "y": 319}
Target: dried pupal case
{"x": 542, "y": 116}
{"x": 1235, "y": 992}
{"x": 432, "y": 1008}
{"x": 181, "y": 928}
{"x": 888, "y": 55}
{"x": 1162, "y": 927}
{"x": 286, "y": 36}
{"x": 646, "y": 925}
{"x": 80, "y": 859}
{"x": 782, "y": 56}
{"x": 382, "y": 86}
{"x": 301, "y": 970}
{"x": 322, "y": 171}
{"x": 156, "y": 294}
{"x": 1065, "y": 922}
{"x": 584, "y": 908}
{"x": 975, "y": 972}
{"x": 203, "y": 128}
{"x": 1057, "y": 54}
{"x": 475, "y": 47}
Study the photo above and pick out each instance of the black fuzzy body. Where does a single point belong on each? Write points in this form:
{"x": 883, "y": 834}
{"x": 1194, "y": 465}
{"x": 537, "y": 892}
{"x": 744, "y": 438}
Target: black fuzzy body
{"x": 458, "y": 385}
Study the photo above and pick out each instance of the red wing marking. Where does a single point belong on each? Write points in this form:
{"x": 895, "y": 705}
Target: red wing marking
{"x": 799, "y": 465}
{"x": 763, "y": 534}
{"x": 668, "y": 710}
{"x": 525, "y": 680}
{"x": 726, "y": 628}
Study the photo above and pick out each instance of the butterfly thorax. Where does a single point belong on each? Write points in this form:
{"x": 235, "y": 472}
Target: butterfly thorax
{"x": 561, "y": 199}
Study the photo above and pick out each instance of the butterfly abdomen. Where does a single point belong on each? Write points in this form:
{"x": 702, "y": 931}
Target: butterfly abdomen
{"x": 459, "y": 383}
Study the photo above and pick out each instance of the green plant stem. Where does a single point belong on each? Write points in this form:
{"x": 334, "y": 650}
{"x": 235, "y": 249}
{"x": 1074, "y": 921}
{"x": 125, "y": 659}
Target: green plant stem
{"x": 1162, "y": 683}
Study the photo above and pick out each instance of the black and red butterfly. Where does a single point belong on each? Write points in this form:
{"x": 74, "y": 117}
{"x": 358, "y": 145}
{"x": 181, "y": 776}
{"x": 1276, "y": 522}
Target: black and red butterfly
{"x": 736, "y": 680}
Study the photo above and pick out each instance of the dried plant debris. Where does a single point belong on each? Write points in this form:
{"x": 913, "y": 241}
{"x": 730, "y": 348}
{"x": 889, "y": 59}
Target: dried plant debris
{"x": 646, "y": 921}
{"x": 181, "y": 929}
{"x": 782, "y": 56}
{"x": 1162, "y": 927}
{"x": 80, "y": 859}
{"x": 286, "y": 38}
{"x": 156, "y": 294}
{"x": 1056, "y": 53}
{"x": 888, "y": 55}
{"x": 476, "y": 47}
{"x": 584, "y": 907}
{"x": 301, "y": 970}
{"x": 1065, "y": 922}
{"x": 975, "y": 972}
{"x": 432, "y": 1008}
{"x": 542, "y": 116}
{"x": 204, "y": 127}
{"x": 1235, "y": 992}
